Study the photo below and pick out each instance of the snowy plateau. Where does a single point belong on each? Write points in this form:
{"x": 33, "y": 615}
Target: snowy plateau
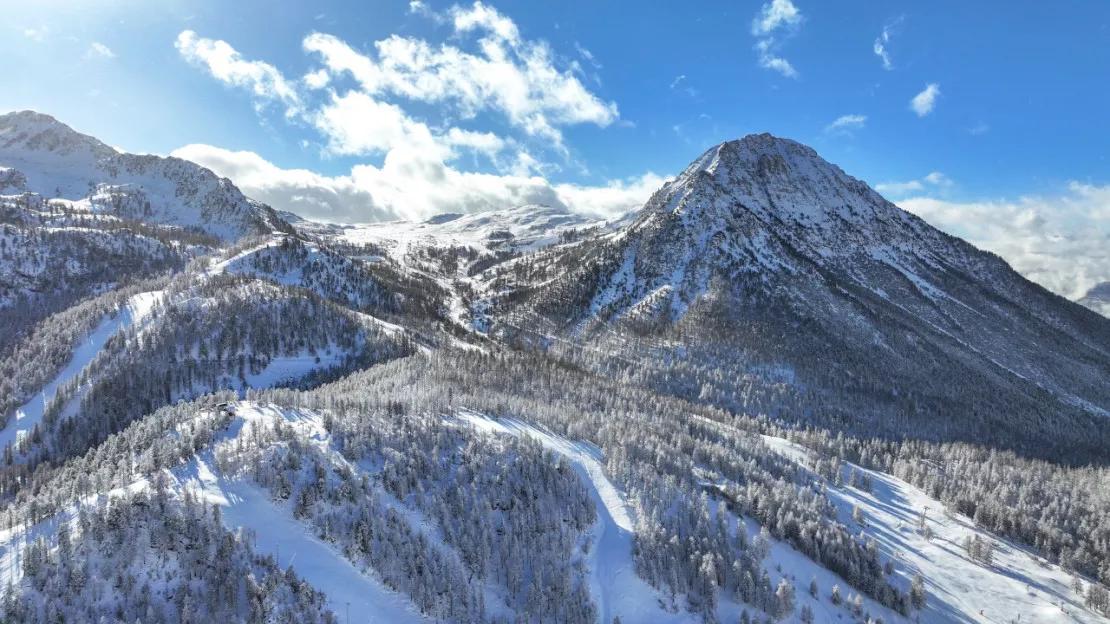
{"x": 769, "y": 395}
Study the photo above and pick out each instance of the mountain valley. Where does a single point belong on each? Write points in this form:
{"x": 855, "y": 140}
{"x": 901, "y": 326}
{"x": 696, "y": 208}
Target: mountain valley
{"x": 767, "y": 395}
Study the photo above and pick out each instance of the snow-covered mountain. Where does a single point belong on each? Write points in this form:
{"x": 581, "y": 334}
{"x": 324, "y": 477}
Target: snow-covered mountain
{"x": 769, "y": 394}
{"x": 43, "y": 156}
{"x": 79, "y": 218}
{"x": 478, "y": 237}
{"x": 763, "y": 260}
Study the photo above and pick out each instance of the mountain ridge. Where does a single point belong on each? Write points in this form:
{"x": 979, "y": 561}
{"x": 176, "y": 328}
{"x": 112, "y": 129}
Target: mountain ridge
{"x": 779, "y": 255}
{"x": 57, "y": 162}
{"x": 768, "y": 374}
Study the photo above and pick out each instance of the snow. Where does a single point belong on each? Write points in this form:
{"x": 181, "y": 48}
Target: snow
{"x": 614, "y": 585}
{"x": 138, "y": 309}
{"x": 246, "y": 505}
{"x": 1019, "y": 583}
{"x": 229, "y": 263}
{"x": 282, "y": 369}
{"x": 531, "y": 228}
{"x": 57, "y": 161}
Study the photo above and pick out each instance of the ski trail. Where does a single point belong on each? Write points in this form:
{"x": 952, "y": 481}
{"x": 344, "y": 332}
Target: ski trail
{"x": 137, "y": 309}
{"x": 247, "y": 505}
{"x": 614, "y": 585}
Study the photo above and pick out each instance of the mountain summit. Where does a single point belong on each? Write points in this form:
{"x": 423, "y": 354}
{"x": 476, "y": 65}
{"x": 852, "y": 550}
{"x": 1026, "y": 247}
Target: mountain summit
{"x": 774, "y": 177}
{"x": 29, "y": 132}
{"x": 42, "y": 155}
{"x": 762, "y": 256}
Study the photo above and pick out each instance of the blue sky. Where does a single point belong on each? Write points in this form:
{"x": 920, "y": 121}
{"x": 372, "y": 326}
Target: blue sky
{"x": 303, "y": 104}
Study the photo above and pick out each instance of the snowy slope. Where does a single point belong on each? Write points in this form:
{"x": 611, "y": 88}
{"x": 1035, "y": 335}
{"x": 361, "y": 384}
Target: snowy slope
{"x": 764, "y": 252}
{"x": 615, "y": 587}
{"x": 54, "y": 161}
{"x": 1018, "y": 586}
{"x": 248, "y": 506}
{"x": 245, "y": 505}
{"x": 137, "y": 311}
{"x": 520, "y": 229}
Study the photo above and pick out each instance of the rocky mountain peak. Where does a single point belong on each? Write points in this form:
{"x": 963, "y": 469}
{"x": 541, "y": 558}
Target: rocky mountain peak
{"x": 31, "y": 132}
{"x": 773, "y": 179}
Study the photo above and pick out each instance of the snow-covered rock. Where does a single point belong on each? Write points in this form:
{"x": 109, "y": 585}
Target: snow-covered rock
{"x": 51, "y": 159}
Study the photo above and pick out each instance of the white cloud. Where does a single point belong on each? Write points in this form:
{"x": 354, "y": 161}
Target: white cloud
{"x": 978, "y": 128}
{"x": 362, "y": 102}
{"x": 898, "y": 189}
{"x": 846, "y": 123}
{"x": 883, "y": 40}
{"x": 484, "y": 142}
{"x": 357, "y": 124}
{"x": 99, "y": 50}
{"x": 296, "y": 190}
{"x": 408, "y": 185}
{"x": 225, "y": 64}
{"x": 939, "y": 179}
{"x": 533, "y": 94}
{"x": 37, "y": 34}
{"x": 924, "y": 102}
{"x": 514, "y": 77}
{"x": 901, "y": 189}
{"x": 1060, "y": 242}
{"x": 586, "y": 54}
{"x": 768, "y": 59}
{"x": 880, "y": 50}
{"x": 419, "y": 8}
{"x": 773, "y": 16}
{"x": 317, "y": 79}
{"x": 688, "y": 90}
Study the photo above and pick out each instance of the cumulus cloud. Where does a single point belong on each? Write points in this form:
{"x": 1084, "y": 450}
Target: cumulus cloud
{"x": 519, "y": 93}
{"x": 924, "y": 102}
{"x": 846, "y": 123}
{"x": 410, "y": 186}
{"x": 938, "y": 179}
{"x": 1060, "y": 242}
{"x": 225, "y": 64}
{"x": 508, "y": 75}
{"x": 772, "y": 17}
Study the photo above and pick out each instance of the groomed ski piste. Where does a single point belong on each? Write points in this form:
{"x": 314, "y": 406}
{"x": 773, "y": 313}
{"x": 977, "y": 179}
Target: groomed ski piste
{"x": 614, "y": 585}
{"x": 138, "y": 310}
{"x": 1017, "y": 587}
{"x": 249, "y": 506}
